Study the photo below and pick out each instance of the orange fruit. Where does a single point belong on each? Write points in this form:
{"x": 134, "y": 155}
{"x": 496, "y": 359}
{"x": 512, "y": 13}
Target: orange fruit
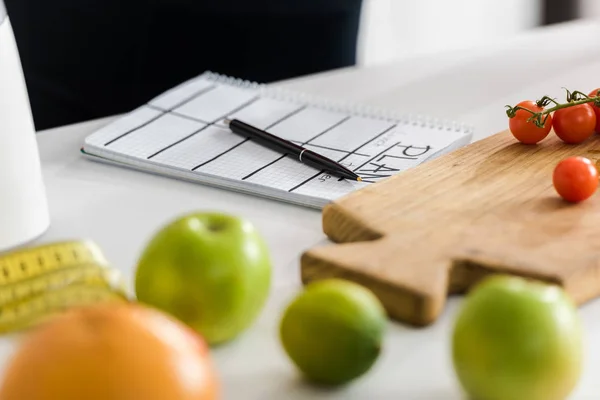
{"x": 111, "y": 351}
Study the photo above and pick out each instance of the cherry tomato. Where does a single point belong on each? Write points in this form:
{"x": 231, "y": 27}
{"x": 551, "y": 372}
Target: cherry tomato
{"x": 594, "y": 93}
{"x": 575, "y": 179}
{"x": 574, "y": 124}
{"x": 528, "y": 132}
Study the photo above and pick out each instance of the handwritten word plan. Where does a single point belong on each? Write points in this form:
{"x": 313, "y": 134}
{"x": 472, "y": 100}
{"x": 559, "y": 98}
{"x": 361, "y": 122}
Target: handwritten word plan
{"x": 181, "y": 134}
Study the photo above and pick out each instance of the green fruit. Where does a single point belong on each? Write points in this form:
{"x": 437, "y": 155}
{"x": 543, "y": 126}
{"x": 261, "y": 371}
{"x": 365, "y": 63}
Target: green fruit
{"x": 210, "y": 270}
{"x": 333, "y": 331}
{"x": 516, "y": 339}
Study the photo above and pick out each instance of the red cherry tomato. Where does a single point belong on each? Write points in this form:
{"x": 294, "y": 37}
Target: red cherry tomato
{"x": 574, "y": 124}
{"x": 528, "y": 132}
{"x": 575, "y": 179}
{"x": 594, "y": 93}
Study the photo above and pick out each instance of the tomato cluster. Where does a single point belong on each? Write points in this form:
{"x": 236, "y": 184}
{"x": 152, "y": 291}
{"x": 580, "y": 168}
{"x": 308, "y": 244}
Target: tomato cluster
{"x": 575, "y": 178}
{"x": 573, "y": 124}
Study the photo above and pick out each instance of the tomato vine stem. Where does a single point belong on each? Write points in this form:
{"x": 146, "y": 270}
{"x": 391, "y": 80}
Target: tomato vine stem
{"x": 539, "y": 118}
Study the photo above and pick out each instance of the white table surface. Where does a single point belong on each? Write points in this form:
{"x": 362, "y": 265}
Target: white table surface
{"x": 119, "y": 209}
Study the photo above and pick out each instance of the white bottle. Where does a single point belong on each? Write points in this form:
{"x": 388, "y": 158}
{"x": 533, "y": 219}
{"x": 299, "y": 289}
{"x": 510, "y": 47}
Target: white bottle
{"x": 24, "y": 212}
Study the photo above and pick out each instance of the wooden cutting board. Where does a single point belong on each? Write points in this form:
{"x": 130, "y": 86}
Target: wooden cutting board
{"x": 437, "y": 229}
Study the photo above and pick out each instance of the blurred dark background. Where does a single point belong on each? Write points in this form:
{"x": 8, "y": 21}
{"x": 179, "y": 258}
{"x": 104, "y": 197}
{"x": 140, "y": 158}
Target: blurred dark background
{"x": 556, "y": 11}
{"x": 86, "y": 59}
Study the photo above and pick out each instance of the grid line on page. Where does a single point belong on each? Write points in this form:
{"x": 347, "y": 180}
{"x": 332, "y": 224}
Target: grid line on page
{"x": 190, "y": 117}
{"x": 352, "y": 134}
{"x": 238, "y": 163}
{"x": 177, "y": 114}
{"x": 287, "y": 174}
{"x": 375, "y": 156}
{"x": 194, "y": 96}
{"x": 241, "y": 107}
{"x": 307, "y": 124}
{"x": 332, "y": 149}
{"x": 366, "y": 143}
{"x": 198, "y": 148}
{"x": 138, "y": 127}
{"x": 305, "y": 181}
{"x": 132, "y": 120}
{"x": 263, "y": 113}
{"x": 177, "y": 142}
{"x": 250, "y": 175}
{"x": 328, "y": 187}
{"x": 332, "y": 127}
{"x": 216, "y": 103}
{"x": 219, "y": 155}
{"x": 289, "y": 115}
{"x": 155, "y": 136}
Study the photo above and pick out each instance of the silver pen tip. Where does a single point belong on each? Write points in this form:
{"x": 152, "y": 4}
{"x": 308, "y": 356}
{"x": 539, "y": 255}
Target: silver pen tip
{"x": 226, "y": 121}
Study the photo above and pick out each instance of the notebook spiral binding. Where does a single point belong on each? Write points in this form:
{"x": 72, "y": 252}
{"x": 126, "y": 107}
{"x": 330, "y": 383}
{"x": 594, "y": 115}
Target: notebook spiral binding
{"x": 342, "y": 106}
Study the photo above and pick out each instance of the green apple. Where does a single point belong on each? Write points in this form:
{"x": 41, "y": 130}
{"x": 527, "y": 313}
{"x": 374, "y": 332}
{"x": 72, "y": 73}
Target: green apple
{"x": 517, "y": 339}
{"x": 210, "y": 270}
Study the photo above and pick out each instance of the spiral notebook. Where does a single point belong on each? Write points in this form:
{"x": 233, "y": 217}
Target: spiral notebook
{"x": 181, "y": 134}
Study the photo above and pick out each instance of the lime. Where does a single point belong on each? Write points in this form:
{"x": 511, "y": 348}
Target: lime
{"x": 333, "y": 331}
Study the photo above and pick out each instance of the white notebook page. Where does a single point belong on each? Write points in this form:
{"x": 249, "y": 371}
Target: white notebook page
{"x": 183, "y": 130}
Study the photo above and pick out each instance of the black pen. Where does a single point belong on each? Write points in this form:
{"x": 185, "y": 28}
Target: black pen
{"x": 283, "y": 146}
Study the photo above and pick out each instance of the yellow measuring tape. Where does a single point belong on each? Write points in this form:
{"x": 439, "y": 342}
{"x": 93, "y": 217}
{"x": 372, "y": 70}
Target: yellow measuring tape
{"x": 39, "y": 282}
